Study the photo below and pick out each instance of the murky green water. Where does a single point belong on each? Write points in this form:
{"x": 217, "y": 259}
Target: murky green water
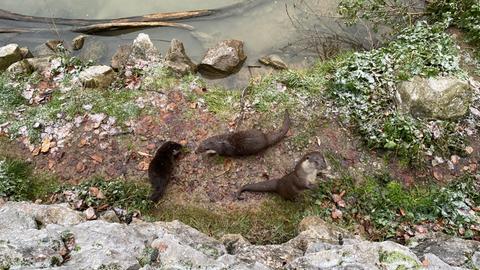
{"x": 264, "y": 25}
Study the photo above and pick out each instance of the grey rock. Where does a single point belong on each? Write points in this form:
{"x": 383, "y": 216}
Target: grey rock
{"x": 120, "y": 58}
{"x": 19, "y": 68}
{"x": 177, "y": 60}
{"x": 93, "y": 50}
{"x": 144, "y": 50}
{"x": 274, "y": 61}
{"x": 110, "y": 216}
{"x": 54, "y": 44}
{"x": 97, "y": 77}
{"x": 26, "y": 53}
{"x": 41, "y": 236}
{"x": 451, "y": 250}
{"x": 40, "y": 64}
{"x": 222, "y": 60}
{"x": 42, "y": 50}
{"x": 440, "y": 98}
{"x": 77, "y": 42}
{"x": 435, "y": 263}
{"x": 9, "y": 54}
{"x": 47, "y": 214}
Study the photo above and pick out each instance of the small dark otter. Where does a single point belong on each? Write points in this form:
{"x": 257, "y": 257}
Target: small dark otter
{"x": 242, "y": 143}
{"x": 161, "y": 167}
{"x": 288, "y": 187}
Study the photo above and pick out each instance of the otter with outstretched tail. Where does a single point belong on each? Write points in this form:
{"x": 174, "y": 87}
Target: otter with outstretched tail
{"x": 243, "y": 143}
{"x": 288, "y": 187}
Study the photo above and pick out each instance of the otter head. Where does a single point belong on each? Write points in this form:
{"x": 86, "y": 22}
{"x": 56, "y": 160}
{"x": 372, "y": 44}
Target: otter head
{"x": 310, "y": 166}
{"x": 172, "y": 147}
{"x": 210, "y": 146}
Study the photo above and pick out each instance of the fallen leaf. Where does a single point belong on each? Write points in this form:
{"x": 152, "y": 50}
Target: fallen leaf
{"x": 82, "y": 142}
{"x": 93, "y": 191}
{"x": 420, "y": 229}
{"x": 469, "y": 149}
{"x": 36, "y": 151}
{"x": 97, "y": 158}
{"x": 193, "y": 105}
{"x": 336, "y": 198}
{"x": 461, "y": 231}
{"x": 336, "y": 214}
{"x": 438, "y": 175}
{"x": 100, "y": 195}
{"x": 425, "y": 263}
{"x": 45, "y": 145}
{"x": 473, "y": 167}
{"x": 80, "y": 167}
{"x": 51, "y": 163}
{"x": 455, "y": 159}
{"x": 143, "y": 165}
{"x": 402, "y": 212}
{"x": 341, "y": 203}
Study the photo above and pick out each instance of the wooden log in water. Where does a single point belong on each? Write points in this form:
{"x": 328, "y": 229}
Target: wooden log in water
{"x": 155, "y": 17}
{"x": 103, "y": 27}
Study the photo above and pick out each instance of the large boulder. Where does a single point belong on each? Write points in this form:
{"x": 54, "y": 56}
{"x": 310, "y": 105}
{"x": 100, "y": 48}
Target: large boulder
{"x": 9, "y": 54}
{"x": 40, "y": 64}
{"x": 225, "y": 58}
{"x": 120, "y": 58}
{"x": 177, "y": 60}
{"x": 439, "y": 98}
{"x": 97, "y": 77}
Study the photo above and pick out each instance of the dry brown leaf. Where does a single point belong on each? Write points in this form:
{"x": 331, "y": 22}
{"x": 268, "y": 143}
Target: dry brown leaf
{"x": 51, "y": 163}
{"x": 45, "y": 145}
{"x": 402, "y": 212}
{"x": 438, "y": 175}
{"x": 420, "y": 229}
{"x": 93, "y": 191}
{"x": 469, "y": 149}
{"x": 82, "y": 142}
{"x": 336, "y": 198}
{"x": 36, "y": 151}
{"x": 336, "y": 214}
{"x": 341, "y": 203}
{"x": 97, "y": 158}
{"x": 143, "y": 165}
{"x": 80, "y": 167}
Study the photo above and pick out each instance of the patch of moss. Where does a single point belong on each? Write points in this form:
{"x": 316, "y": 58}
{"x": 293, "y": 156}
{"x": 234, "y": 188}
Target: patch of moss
{"x": 397, "y": 257}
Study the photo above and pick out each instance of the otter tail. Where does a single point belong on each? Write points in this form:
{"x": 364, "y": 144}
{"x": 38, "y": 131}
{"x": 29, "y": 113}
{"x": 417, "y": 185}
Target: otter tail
{"x": 276, "y": 136}
{"x": 265, "y": 186}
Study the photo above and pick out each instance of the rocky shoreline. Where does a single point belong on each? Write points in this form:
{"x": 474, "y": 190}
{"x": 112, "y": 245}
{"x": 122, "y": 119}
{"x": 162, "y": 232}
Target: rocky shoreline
{"x": 56, "y": 237}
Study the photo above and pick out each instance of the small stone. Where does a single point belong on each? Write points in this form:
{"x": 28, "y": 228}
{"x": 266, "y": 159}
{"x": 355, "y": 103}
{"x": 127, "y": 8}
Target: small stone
{"x": 97, "y": 77}
{"x": 437, "y": 161}
{"x": 77, "y": 42}
{"x": 110, "y": 216}
{"x": 274, "y": 61}
{"x": 26, "y": 53}
{"x": 455, "y": 159}
{"x": 90, "y": 213}
{"x": 54, "y": 44}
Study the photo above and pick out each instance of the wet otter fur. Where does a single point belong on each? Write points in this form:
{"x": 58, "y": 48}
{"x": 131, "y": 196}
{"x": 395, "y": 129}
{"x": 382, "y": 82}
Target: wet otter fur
{"x": 243, "y": 143}
{"x": 288, "y": 187}
{"x": 161, "y": 167}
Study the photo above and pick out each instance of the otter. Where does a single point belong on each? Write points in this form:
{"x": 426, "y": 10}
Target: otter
{"x": 288, "y": 187}
{"x": 161, "y": 167}
{"x": 243, "y": 143}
